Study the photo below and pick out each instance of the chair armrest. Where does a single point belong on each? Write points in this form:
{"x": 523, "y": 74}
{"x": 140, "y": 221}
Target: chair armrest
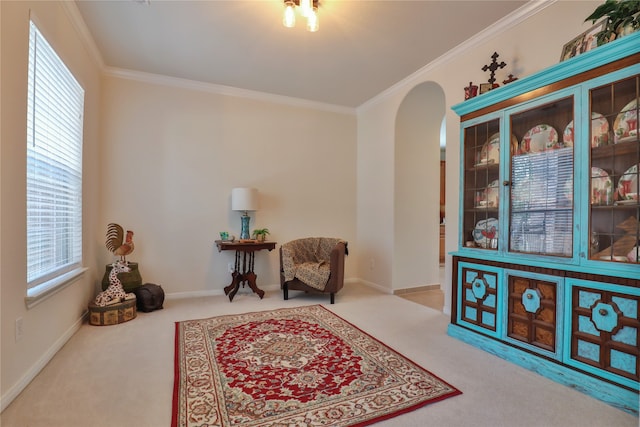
{"x": 281, "y": 269}
{"x": 336, "y": 279}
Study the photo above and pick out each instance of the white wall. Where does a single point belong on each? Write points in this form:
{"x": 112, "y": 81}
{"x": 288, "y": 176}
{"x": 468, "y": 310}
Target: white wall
{"x": 47, "y": 325}
{"x": 170, "y": 157}
{"x": 417, "y": 187}
{"x": 528, "y": 44}
{"x": 162, "y": 160}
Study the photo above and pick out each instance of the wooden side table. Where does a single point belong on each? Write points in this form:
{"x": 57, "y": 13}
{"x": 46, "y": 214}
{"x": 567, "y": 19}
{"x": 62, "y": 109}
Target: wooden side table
{"x": 243, "y": 270}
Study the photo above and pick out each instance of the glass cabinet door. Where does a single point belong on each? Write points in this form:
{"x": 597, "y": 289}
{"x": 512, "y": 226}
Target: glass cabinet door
{"x": 541, "y": 202}
{"x": 614, "y": 211}
{"x": 481, "y": 166}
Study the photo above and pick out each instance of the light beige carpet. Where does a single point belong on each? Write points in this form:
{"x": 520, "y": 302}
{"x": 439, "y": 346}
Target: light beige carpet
{"x": 292, "y": 367}
{"x": 122, "y": 375}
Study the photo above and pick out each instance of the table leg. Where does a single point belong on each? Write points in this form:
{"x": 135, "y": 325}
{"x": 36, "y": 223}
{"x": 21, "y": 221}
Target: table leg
{"x": 246, "y": 266}
{"x": 251, "y": 278}
{"x": 232, "y": 289}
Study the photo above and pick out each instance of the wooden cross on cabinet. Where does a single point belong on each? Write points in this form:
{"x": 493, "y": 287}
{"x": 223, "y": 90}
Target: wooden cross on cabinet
{"x": 493, "y": 67}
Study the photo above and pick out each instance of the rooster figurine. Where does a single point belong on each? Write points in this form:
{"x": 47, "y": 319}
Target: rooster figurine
{"x": 117, "y": 242}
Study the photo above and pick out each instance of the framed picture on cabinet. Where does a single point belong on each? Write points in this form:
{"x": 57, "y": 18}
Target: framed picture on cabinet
{"x": 583, "y": 43}
{"x": 485, "y": 87}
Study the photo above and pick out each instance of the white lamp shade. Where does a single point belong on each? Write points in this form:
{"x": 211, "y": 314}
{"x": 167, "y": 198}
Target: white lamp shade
{"x": 244, "y": 199}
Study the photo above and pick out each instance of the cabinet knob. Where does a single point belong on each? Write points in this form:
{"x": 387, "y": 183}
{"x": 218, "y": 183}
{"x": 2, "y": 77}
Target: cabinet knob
{"x": 506, "y": 183}
{"x": 529, "y": 296}
{"x": 603, "y": 312}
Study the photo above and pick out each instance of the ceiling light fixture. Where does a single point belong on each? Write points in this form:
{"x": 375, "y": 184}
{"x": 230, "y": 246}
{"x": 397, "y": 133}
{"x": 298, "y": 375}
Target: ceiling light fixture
{"x": 307, "y": 9}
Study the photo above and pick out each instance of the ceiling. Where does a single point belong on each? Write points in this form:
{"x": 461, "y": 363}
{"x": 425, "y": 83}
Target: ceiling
{"x": 362, "y": 48}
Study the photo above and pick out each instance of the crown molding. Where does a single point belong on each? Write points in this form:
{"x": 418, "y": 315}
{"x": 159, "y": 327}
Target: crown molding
{"x": 176, "y": 82}
{"x": 75, "y": 16}
{"x": 531, "y": 8}
{"x": 78, "y": 23}
{"x": 513, "y": 19}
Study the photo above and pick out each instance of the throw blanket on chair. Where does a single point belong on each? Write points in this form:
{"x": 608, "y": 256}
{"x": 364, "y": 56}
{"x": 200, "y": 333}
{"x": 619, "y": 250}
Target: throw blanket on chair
{"x": 308, "y": 260}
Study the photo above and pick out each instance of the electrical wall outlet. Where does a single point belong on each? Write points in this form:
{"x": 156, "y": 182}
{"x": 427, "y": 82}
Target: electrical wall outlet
{"x": 19, "y": 329}
{"x": 372, "y": 264}
{"x": 231, "y": 267}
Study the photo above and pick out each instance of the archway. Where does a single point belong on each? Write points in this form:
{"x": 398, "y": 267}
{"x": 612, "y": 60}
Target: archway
{"x": 417, "y": 187}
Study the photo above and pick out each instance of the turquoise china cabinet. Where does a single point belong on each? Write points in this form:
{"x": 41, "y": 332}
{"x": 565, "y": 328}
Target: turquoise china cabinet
{"x": 547, "y": 271}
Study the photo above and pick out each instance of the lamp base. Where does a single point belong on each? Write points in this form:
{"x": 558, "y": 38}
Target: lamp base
{"x": 244, "y": 232}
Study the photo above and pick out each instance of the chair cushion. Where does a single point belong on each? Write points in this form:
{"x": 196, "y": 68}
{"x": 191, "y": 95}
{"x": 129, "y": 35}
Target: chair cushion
{"x": 314, "y": 274}
{"x": 308, "y": 260}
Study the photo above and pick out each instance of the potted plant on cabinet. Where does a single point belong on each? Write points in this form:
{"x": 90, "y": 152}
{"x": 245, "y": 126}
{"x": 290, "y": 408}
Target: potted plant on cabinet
{"x": 261, "y": 234}
{"x": 623, "y": 17}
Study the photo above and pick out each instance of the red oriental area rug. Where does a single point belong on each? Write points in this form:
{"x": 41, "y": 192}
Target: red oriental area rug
{"x": 298, "y": 366}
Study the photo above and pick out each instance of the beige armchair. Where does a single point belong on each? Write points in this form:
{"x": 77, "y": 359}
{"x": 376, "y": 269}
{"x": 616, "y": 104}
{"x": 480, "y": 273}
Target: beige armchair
{"x": 313, "y": 264}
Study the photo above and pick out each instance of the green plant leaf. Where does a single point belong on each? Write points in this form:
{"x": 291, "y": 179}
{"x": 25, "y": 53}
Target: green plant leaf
{"x": 619, "y": 14}
{"x": 603, "y": 10}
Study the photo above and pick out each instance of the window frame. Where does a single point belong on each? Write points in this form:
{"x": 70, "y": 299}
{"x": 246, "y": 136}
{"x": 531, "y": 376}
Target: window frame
{"x": 54, "y": 145}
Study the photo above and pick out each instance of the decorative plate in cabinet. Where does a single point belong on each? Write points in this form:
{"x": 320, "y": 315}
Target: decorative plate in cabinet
{"x": 538, "y": 139}
{"x": 599, "y": 131}
{"x": 625, "y": 128}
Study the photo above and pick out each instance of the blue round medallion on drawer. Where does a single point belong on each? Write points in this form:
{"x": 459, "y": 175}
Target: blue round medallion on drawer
{"x": 531, "y": 300}
{"x": 604, "y": 317}
{"x": 479, "y": 288}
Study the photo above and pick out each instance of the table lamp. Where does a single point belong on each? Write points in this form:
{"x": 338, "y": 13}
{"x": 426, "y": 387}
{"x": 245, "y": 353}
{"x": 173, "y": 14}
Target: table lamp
{"x": 244, "y": 199}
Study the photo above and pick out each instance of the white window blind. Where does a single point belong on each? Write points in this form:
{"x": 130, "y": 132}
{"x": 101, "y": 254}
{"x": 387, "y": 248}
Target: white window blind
{"x": 542, "y": 203}
{"x": 54, "y": 165}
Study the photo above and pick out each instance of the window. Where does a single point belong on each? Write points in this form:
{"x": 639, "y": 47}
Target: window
{"x": 54, "y": 168}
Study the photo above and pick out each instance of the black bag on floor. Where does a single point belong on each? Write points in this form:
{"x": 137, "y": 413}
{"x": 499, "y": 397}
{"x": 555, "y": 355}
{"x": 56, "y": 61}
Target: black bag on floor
{"x": 149, "y": 297}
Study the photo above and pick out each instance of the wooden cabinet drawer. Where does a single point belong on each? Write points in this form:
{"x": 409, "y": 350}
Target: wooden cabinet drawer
{"x": 533, "y": 303}
{"x": 479, "y": 302}
{"x": 604, "y": 330}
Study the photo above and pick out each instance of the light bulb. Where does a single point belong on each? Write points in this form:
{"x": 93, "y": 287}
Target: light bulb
{"x": 312, "y": 21}
{"x": 305, "y": 8}
{"x": 289, "y": 17}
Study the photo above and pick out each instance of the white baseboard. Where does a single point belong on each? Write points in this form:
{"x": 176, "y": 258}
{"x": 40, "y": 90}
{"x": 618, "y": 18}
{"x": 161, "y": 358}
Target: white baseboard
{"x": 276, "y": 287}
{"x": 375, "y": 286}
{"x": 193, "y": 294}
{"x": 17, "y": 388}
{"x": 211, "y": 293}
{"x": 218, "y": 292}
{"x": 423, "y": 288}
